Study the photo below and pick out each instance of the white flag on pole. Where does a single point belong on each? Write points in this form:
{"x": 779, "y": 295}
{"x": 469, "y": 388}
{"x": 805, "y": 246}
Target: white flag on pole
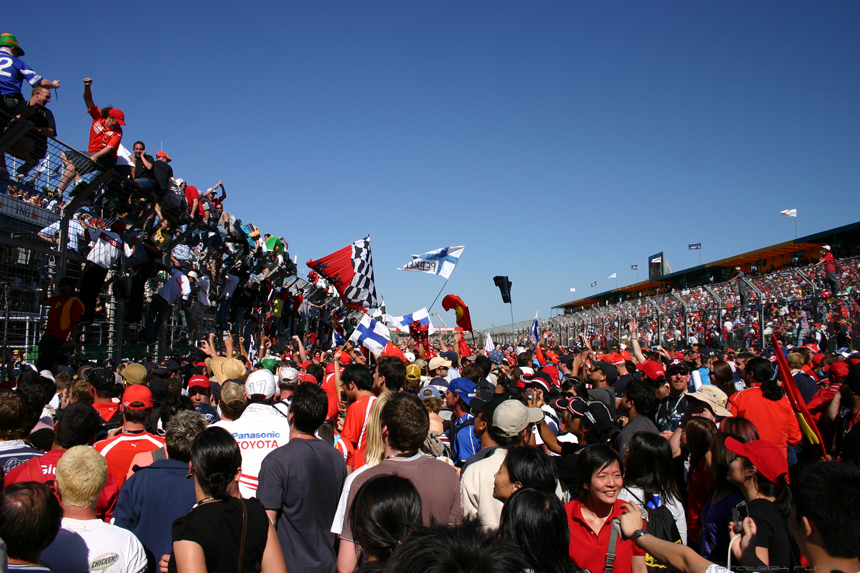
{"x": 572, "y": 289}
{"x": 489, "y": 345}
{"x": 657, "y": 260}
{"x": 613, "y": 276}
{"x": 788, "y": 213}
{"x": 439, "y": 262}
{"x": 371, "y": 334}
{"x": 401, "y": 323}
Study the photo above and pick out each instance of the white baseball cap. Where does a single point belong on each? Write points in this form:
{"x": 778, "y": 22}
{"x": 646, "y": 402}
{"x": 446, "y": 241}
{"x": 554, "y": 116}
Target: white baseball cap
{"x": 260, "y": 382}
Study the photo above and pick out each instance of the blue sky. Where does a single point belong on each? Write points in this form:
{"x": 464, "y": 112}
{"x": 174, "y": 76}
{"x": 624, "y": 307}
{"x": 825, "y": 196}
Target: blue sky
{"x": 559, "y": 141}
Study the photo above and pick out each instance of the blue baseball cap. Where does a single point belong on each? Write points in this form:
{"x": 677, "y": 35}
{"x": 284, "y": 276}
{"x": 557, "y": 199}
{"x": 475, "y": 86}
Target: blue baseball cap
{"x": 464, "y": 388}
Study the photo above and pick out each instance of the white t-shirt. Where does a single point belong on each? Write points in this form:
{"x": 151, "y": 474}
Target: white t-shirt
{"x": 675, "y": 507}
{"x": 93, "y": 545}
{"x": 106, "y": 248}
{"x": 260, "y": 430}
{"x": 340, "y": 512}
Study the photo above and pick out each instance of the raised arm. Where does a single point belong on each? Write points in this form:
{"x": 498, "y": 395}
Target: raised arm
{"x": 88, "y": 94}
{"x": 633, "y": 329}
{"x": 303, "y": 356}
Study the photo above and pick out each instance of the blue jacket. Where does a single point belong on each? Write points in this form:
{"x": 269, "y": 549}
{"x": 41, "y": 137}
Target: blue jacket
{"x": 151, "y": 500}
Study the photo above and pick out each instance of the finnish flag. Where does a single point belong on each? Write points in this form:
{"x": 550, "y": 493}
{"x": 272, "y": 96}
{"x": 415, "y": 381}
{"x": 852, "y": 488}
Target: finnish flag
{"x": 439, "y": 262}
{"x": 534, "y": 335}
{"x": 371, "y": 334}
{"x": 337, "y": 340}
{"x": 403, "y": 322}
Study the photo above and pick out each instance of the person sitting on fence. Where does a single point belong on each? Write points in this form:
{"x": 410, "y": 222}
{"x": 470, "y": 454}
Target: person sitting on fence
{"x": 34, "y": 146}
{"x": 11, "y": 98}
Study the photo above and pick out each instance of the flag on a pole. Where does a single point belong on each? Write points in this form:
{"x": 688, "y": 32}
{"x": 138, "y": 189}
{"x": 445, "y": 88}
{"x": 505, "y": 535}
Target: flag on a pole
{"x": 657, "y": 260}
{"x": 439, "y": 262}
{"x": 379, "y": 313}
{"x": 634, "y": 267}
{"x": 613, "y": 276}
{"x": 695, "y": 246}
{"x": 489, "y": 345}
{"x": 788, "y": 213}
{"x": 464, "y": 319}
{"x": 371, "y": 334}
{"x": 594, "y": 284}
{"x": 252, "y": 350}
{"x": 350, "y": 270}
{"x": 572, "y": 289}
{"x": 403, "y": 322}
{"x": 337, "y": 339}
{"x": 534, "y": 336}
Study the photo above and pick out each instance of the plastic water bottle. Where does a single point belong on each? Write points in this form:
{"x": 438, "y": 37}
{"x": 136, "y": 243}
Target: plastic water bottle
{"x": 655, "y": 502}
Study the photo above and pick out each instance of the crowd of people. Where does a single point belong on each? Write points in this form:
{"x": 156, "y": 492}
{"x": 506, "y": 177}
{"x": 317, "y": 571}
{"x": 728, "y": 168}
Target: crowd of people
{"x": 435, "y": 455}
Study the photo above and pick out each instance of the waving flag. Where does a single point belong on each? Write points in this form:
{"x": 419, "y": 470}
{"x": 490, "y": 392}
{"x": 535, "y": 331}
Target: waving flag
{"x": 572, "y": 289}
{"x": 401, "y": 323}
{"x": 371, "y": 334}
{"x": 789, "y": 213}
{"x": 634, "y": 267}
{"x": 350, "y": 270}
{"x": 439, "y": 262}
{"x": 534, "y": 336}
{"x": 613, "y": 276}
{"x": 696, "y": 246}
{"x": 594, "y": 284}
{"x": 464, "y": 320}
{"x": 489, "y": 345}
{"x": 337, "y": 339}
{"x": 804, "y": 418}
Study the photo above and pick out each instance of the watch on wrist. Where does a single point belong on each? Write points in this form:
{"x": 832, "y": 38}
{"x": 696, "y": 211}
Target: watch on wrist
{"x": 637, "y": 534}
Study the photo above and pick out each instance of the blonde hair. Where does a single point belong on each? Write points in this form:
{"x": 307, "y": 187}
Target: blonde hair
{"x": 375, "y": 452}
{"x": 79, "y": 391}
{"x": 81, "y": 476}
{"x": 795, "y": 360}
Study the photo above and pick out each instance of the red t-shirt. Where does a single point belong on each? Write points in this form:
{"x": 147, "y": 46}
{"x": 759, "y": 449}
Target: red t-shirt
{"x": 64, "y": 311}
{"x": 106, "y": 410}
{"x": 776, "y": 422}
{"x": 331, "y": 394}
{"x": 346, "y": 450}
{"x": 588, "y": 551}
{"x": 120, "y": 450}
{"x": 355, "y": 427}
{"x": 100, "y": 135}
{"x": 828, "y": 259}
{"x": 700, "y": 486}
{"x": 191, "y": 193}
{"x": 47, "y": 466}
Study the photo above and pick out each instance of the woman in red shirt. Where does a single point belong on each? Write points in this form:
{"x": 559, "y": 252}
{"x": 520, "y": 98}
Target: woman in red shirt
{"x": 598, "y": 480}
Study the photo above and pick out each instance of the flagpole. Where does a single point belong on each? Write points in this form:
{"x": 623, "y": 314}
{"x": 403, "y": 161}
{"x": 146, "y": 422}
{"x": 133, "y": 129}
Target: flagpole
{"x": 795, "y": 227}
{"x": 437, "y": 296}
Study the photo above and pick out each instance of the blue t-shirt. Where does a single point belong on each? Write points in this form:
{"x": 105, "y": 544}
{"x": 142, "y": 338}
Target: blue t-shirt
{"x": 466, "y": 443}
{"x": 13, "y": 72}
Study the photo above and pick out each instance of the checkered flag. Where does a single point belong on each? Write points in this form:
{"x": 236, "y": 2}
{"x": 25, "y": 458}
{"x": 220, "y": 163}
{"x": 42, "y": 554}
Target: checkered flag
{"x": 350, "y": 270}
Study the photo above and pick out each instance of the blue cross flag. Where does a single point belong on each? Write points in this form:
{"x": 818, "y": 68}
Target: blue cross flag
{"x": 371, "y": 334}
{"x": 402, "y": 323}
{"x": 439, "y": 262}
{"x": 534, "y": 335}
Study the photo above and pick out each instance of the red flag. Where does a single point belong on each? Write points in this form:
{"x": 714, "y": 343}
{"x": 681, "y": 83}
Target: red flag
{"x": 804, "y": 418}
{"x": 452, "y": 301}
{"x": 350, "y": 270}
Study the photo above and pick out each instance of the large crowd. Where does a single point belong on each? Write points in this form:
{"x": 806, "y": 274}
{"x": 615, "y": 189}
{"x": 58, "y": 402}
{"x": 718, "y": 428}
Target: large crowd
{"x": 616, "y": 452}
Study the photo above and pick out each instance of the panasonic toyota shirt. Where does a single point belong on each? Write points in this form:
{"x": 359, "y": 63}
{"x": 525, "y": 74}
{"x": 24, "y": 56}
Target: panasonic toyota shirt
{"x": 259, "y": 430}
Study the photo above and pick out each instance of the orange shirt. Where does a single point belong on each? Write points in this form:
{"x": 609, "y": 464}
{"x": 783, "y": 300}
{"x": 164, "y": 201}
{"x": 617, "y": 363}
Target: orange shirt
{"x": 776, "y": 422}
{"x": 120, "y": 450}
{"x": 355, "y": 427}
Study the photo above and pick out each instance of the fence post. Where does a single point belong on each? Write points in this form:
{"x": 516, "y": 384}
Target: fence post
{"x": 686, "y": 315}
{"x": 650, "y": 301}
{"x": 711, "y": 292}
{"x": 760, "y": 310}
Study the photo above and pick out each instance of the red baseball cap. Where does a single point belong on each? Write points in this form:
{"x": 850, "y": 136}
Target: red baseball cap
{"x": 199, "y": 381}
{"x": 118, "y": 115}
{"x": 837, "y": 370}
{"x": 164, "y": 155}
{"x": 653, "y": 370}
{"x": 308, "y": 378}
{"x": 137, "y": 394}
{"x": 329, "y": 368}
{"x": 766, "y": 457}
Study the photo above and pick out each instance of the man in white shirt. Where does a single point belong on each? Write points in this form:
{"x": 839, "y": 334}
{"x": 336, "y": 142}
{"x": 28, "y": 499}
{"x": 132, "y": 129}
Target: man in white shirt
{"x": 86, "y": 543}
{"x": 177, "y": 286}
{"x": 259, "y": 430}
{"x": 107, "y": 247}
{"x": 51, "y": 233}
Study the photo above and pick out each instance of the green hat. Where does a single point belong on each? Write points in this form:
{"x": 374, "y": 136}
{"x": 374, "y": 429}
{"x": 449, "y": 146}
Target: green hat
{"x": 10, "y": 41}
{"x": 269, "y": 364}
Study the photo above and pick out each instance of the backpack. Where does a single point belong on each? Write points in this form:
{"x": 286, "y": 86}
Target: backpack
{"x": 661, "y": 524}
{"x": 453, "y": 430}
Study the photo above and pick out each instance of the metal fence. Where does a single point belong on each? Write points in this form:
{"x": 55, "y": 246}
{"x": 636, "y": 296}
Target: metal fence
{"x": 731, "y": 314}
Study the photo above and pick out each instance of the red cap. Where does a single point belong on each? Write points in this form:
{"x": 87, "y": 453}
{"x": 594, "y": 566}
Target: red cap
{"x": 653, "y": 370}
{"x": 766, "y": 457}
{"x": 817, "y": 358}
{"x": 118, "y": 115}
{"x": 837, "y": 370}
{"x": 308, "y": 378}
{"x": 345, "y": 359}
{"x": 304, "y": 365}
{"x": 199, "y": 381}
{"x": 553, "y": 374}
{"x": 118, "y": 227}
{"x": 329, "y": 368}
{"x": 164, "y": 155}
{"x": 137, "y": 394}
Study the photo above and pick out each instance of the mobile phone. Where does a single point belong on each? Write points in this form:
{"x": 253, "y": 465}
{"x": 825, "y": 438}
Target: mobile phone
{"x": 739, "y": 513}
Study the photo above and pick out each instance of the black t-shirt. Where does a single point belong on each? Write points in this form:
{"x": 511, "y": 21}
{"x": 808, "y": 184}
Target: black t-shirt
{"x": 217, "y": 528}
{"x": 41, "y": 117}
{"x": 772, "y": 532}
{"x": 162, "y": 172}
{"x": 565, "y": 464}
{"x": 670, "y": 412}
{"x": 605, "y": 395}
{"x": 140, "y": 170}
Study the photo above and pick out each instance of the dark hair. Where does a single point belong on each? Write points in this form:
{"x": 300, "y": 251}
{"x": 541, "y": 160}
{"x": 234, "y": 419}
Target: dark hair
{"x": 30, "y": 518}
{"x": 13, "y": 412}
{"x": 394, "y": 371}
{"x": 464, "y": 549}
{"x": 179, "y": 435}
{"x": 143, "y": 145}
{"x": 67, "y": 281}
{"x": 309, "y": 408}
{"x": 532, "y": 468}
{"x": 385, "y": 511}
{"x": 136, "y": 416}
{"x": 649, "y": 466}
{"x": 761, "y": 371}
{"x": 215, "y": 457}
{"x": 78, "y": 424}
{"x": 592, "y": 460}
{"x": 700, "y": 433}
{"x": 485, "y": 364}
{"x": 36, "y": 391}
{"x": 641, "y": 393}
{"x": 524, "y": 358}
{"x": 359, "y": 375}
{"x": 407, "y": 421}
{"x": 536, "y": 522}
{"x": 850, "y": 452}
{"x": 317, "y": 371}
{"x": 828, "y": 495}
{"x": 473, "y": 372}
{"x": 778, "y": 490}
{"x": 740, "y": 427}
{"x": 172, "y": 404}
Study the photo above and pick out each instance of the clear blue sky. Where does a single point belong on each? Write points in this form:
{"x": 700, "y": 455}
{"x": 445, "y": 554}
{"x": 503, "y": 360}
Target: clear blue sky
{"x": 559, "y": 141}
